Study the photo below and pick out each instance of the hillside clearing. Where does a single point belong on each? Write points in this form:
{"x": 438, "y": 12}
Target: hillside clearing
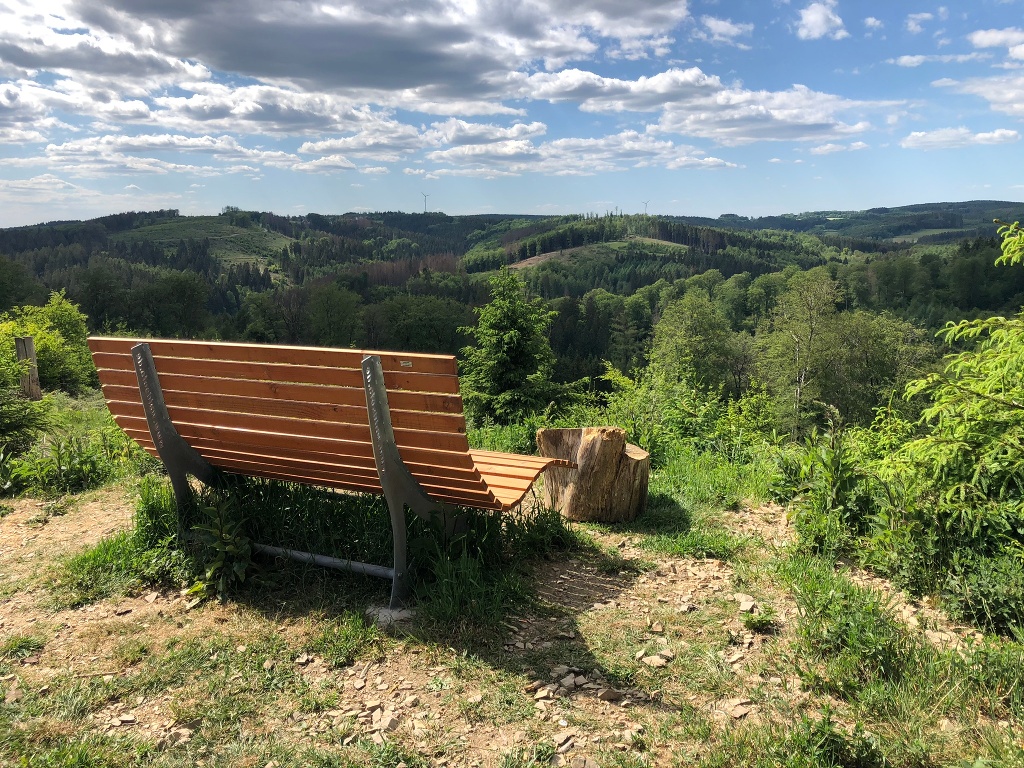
{"x": 228, "y": 242}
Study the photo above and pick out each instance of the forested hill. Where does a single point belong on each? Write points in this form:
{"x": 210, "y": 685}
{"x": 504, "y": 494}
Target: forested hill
{"x": 411, "y": 281}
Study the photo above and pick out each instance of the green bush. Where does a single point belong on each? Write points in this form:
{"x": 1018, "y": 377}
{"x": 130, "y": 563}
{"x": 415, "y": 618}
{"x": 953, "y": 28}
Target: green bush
{"x": 831, "y": 507}
{"x": 21, "y": 420}
{"x": 987, "y": 591}
{"x": 73, "y": 460}
{"x": 60, "y": 334}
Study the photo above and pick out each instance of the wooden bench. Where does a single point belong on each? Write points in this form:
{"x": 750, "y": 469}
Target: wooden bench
{"x": 371, "y": 422}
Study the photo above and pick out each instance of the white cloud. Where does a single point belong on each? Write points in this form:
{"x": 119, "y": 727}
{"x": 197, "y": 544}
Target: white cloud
{"x": 952, "y": 138}
{"x": 872, "y": 23}
{"x": 997, "y": 38}
{"x": 325, "y": 164}
{"x": 1011, "y": 38}
{"x": 820, "y": 20}
{"x": 384, "y": 140}
{"x": 571, "y": 157}
{"x": 949, "y": 58}
{"x": 21, "y": 199}
{"x": 830, "y": 148}
{"x": 725, "y": 31}
{"x": 915, "y": 22}
{"x": 695, "y": 104}
{"x": 1004, "y": 93}
{"x": 455, "y": 131}
{"x": 20, "y": 136}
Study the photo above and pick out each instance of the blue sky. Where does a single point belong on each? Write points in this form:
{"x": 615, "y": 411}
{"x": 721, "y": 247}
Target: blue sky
{"x": 679, "y": 107}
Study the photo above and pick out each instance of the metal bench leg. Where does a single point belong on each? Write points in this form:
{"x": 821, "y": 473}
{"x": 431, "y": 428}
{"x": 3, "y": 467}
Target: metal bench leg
{"x": 179, "y": 458}
{"x": 400, "y": 488}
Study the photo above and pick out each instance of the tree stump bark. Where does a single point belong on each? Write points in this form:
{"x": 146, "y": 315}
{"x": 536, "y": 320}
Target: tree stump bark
{"x": 609, "y": 484}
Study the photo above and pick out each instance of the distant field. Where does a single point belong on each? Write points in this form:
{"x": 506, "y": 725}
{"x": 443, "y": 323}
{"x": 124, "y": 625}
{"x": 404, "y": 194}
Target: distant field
{"x": 598, "y": 250}
{"x": 230, "y": 243}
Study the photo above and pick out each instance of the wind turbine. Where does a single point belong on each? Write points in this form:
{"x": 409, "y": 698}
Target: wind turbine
{"x": 425, "y": 196}
{"x": 645, "y": 202}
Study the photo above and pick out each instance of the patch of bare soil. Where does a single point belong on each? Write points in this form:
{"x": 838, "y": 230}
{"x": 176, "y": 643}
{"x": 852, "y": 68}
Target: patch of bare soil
{"x": 37, "y": 533}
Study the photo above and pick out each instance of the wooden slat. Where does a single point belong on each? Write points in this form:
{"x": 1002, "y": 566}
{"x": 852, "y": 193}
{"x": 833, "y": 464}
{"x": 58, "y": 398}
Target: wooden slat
{"x": 355, "y": 483}
{"x": 313, "y": 443}
{"x": 334, "y": 467}
{"x": 279, "y": 353}
{"x": 344, "y": 414}
{"x": 301, "y": 374}
{"x": 271, "y": 390}
{"x": 460, "y": 477}
{"x": 280, "y": 425}
{"x": 467, "y": 490}
{"x": 496, "y": 457}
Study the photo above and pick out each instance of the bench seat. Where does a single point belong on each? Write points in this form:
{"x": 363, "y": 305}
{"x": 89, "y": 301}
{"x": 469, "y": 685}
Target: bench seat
{"x": 303, "y": 417}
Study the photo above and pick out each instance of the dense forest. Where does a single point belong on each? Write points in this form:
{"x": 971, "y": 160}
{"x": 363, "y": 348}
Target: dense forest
{"x": 627, "y": 291}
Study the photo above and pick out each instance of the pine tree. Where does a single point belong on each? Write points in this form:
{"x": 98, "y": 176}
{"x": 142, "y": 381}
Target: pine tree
{"x": 506, "y": 375}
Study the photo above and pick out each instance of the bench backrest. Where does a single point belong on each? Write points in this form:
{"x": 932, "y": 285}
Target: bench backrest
{"x": 299, "y": 413}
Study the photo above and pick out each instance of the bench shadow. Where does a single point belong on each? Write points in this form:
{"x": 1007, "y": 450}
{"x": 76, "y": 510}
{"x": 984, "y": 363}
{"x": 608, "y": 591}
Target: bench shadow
{"x": 664, "y": 515}
{"x": 534, "y": 639}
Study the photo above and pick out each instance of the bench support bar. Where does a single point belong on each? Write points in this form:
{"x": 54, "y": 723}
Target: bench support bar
{"x": 367, "y": 569}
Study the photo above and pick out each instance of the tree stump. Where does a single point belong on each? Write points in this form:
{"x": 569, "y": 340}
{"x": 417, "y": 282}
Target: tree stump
{"x": 609, "y": 484}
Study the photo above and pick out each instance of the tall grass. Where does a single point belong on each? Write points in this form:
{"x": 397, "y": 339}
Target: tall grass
{"x": 82, "y": 448}
{"x": 851, "y": 645}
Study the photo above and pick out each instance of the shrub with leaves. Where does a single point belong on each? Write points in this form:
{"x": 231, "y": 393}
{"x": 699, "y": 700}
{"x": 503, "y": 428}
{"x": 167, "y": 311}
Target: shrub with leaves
{"x": 60, "y": 333}
{"x": 20, "y": 421}
{"x": 938, "y": 507}
{"x": 227, "y": 550}
{"x": 830, "y": 507}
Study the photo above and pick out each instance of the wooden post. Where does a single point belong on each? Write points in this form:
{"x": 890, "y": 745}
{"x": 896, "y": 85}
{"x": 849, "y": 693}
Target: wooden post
{"x": 609, "y": 483}
{"x": 25, "y": 346}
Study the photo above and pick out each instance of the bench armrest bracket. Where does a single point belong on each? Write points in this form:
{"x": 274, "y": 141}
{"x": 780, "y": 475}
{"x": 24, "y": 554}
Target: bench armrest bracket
{"x": 401, "y": 489}
{"x": 180, "y": 458}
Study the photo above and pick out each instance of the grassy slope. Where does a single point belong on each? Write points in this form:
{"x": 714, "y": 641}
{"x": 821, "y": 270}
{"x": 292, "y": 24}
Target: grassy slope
{"x": 595, "y": 251}
{"x": 230, "y": 243}
{"x": 824, "y": 672}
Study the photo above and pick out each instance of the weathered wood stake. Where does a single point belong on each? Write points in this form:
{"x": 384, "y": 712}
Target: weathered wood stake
{"x": 25, "y": 346}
